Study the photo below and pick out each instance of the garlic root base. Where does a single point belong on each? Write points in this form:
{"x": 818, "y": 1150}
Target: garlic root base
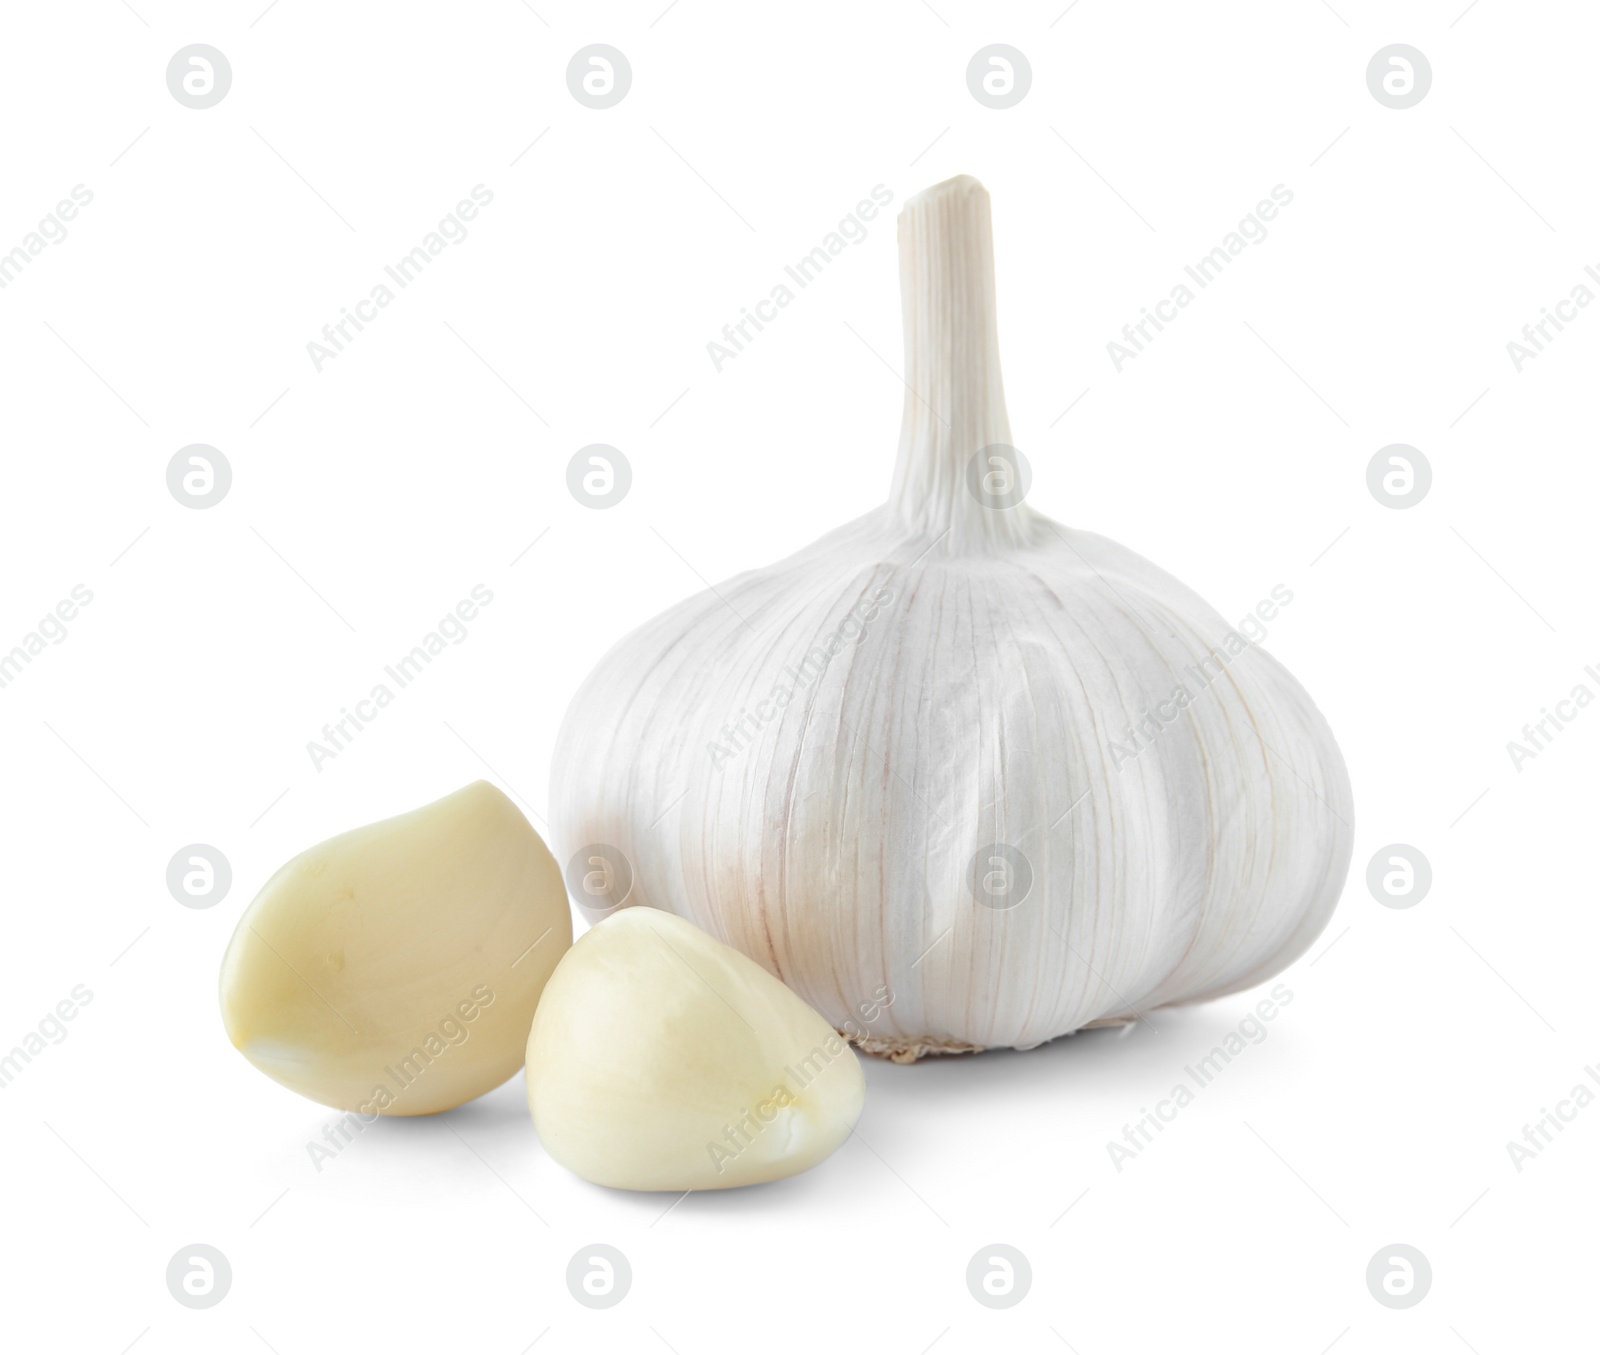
{"x": 906, "y": 1049}
{"x": 913, "y": 1049}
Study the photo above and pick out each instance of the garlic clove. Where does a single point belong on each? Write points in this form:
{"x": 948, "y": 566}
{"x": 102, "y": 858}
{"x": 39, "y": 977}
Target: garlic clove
{"x": 661, "y": 1059}
{"x": 394, "y": 969}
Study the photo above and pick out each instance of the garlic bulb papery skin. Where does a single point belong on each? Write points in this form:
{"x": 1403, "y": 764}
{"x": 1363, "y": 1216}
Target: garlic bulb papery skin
{"x": 922, "y": 756}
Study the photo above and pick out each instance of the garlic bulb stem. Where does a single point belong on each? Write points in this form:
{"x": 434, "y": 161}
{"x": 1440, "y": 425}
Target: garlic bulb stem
{"x": 955, "y": 402}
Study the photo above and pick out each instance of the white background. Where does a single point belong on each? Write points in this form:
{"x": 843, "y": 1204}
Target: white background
{"x": 370, "y": 497}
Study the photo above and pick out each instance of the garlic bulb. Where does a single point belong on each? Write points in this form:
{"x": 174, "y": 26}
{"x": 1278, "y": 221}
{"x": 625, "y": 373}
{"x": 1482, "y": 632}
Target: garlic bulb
{"x": 1007, "y": 771}
{"x": 394, "y": 969}
{"x": 661, "y": 1059}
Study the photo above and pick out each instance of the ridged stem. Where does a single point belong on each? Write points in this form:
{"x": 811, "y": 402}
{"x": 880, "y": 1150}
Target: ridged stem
{"x": 955, "y": 403}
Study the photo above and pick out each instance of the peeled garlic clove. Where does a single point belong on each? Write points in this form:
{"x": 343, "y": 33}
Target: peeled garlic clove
{"x": 662, "y": 1060}
{"x": 1007, "y": 769}
{"x": 394, "y": 969}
